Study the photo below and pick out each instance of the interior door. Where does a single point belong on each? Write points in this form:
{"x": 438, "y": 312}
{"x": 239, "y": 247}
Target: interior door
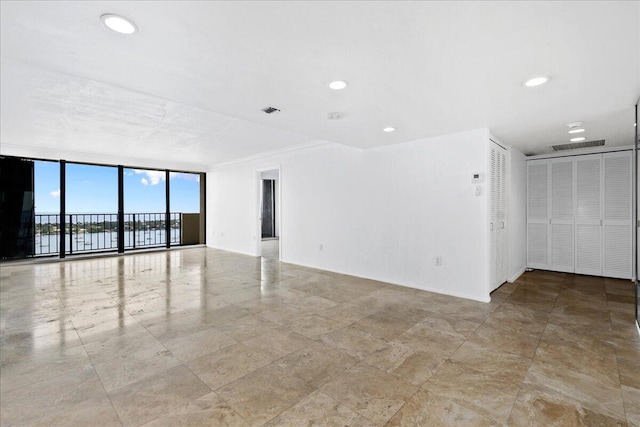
{"x": 498, "y": 217}
{"x": 589, "y": 214}
{"x": 561, "y": 256}
{"x": 538, "y": 214}
{"x": 501, "y": 218}
{"x": 617, "y": 215}
{"x": 268, "y": 208}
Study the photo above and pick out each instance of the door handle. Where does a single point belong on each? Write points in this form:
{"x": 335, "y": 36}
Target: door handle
{"x": 502, "y": 222}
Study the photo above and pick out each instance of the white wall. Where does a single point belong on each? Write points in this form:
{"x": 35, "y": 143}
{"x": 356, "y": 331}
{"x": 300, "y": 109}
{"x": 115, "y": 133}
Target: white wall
{"x": 517, "y": 214}
{"x": 382, "y": 213}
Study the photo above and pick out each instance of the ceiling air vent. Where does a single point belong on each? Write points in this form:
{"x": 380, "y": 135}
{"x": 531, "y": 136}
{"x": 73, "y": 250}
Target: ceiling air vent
{"x": 585, "y": 144}
{"x": 270, "y": 110}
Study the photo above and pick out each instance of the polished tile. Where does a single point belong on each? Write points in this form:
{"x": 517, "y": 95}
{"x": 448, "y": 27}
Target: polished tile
{"x": 347, "y": 313}
{"x": 43, "y": 367}
{"x": 247, "y": 327}
{"x": 355, "y": 342}
{"x": 591, "y": 393}
{"x": 315, "y": 327}
{"x": 523, "y": 344}
{"x": 157, "y": 396}
{"x": 208, "y": 410}
{"x": 318, "y": 409}
{"x": 205, "y": 337}
{"x": 16, "y": 346}
{"x": 316, "y": 363}
{"x": 603, "y": 366}
{"x": 191, "y": 346}
{"x": 122, "y": 371}
{"x": 543, "y": 407}
{"x": 265, "y": 393}
{"x": 370, "y": 392}
{"x": 277, "y": 343}
{"x": 631, "y": 399}
{"x": 140, "y": 343}
{"x": 382, "y": 326}
{"x": 427, "y": 409}
{"x": 409, "y": 363}
{"x": 491, "y": 379}
{"x": 75, "y": 398}
{"x": 226, "y": 365}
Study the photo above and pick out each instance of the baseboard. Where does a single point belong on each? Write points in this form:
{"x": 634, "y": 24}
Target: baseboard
{"x": 406, "y": 285}
{"x": 517, "y": 275}
{"x": 231, "y": 250}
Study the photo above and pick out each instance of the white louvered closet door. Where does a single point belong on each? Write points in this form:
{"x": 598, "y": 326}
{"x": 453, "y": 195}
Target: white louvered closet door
{"x": 498, "y": 216}
{"x": 538, "y": 214}
{"x": 501, "y": 219}
{"x": 617, "y": 215}
{"x": 493, "y": 206}
{"x": 589, "y": 214}
{"x": 561, "y": 256}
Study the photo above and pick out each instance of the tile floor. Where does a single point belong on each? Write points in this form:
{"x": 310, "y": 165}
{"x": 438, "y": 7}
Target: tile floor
{"x": 205, "y": 337}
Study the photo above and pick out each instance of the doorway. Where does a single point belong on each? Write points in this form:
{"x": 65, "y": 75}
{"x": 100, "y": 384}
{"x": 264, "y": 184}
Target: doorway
{"x": 269, "y": 206}
{"x": 268, "y": 209}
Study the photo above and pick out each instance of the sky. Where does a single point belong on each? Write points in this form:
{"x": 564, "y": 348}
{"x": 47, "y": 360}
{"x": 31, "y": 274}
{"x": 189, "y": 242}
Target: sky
{"x": 94, "y": 189}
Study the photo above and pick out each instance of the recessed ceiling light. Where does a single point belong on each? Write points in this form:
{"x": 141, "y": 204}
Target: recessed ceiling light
{"x": 389, "y": 129}
{"x": 578, "y": 139}
{"x": 118, "y": 24}
{"x": 577, "y": 130}
{"x": 536, "y": 81}
{"x": 338, "y": 84}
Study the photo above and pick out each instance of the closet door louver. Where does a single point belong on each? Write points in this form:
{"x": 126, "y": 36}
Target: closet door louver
{"x": 588, "y": 225}
{"x": 617, "y": 219}
{"x": 498, "y": 216}
{"x": 493, "y": 205}
{"x": 588, "y": 214}
{"x": 537, "y": 214}
{"x": 501, "y": 218}
{"x": 562, "y": 224}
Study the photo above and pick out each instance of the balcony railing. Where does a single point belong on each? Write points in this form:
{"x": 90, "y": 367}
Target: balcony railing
{"x": 99, "y": 232}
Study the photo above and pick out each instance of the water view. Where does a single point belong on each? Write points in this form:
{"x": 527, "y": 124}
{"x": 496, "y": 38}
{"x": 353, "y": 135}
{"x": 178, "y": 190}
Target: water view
{"x": 85, "y": 242}
{"x": 98, "y": 232}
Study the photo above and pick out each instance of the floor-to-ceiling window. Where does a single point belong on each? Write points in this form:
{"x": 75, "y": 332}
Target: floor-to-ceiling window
{"x": 91, "y": 198}
{"x": 145, "y": 202}
{"x": 47, "y": 207}
{"x": 185, "y": 208}
{"x": 61, "y": 208}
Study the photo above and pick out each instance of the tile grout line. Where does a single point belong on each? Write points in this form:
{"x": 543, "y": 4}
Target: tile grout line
{"x": 624, "y": 405}
{"x": 91, "y": 361}
{"x": 534, "y": 353}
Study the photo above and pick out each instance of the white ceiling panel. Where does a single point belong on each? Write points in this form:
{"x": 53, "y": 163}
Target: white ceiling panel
{"x": 192, "y": 82}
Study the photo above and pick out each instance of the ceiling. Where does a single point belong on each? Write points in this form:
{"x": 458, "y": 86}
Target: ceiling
{"x": 191, "y": 83}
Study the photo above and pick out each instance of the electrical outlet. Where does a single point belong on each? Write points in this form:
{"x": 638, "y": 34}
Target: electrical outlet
{"x": 438, "y": 260}
{"x": 320, "y": 247}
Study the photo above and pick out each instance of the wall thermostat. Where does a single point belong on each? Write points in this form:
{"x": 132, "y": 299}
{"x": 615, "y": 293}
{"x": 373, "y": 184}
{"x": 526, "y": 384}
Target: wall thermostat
{"x": 477, "y": 178}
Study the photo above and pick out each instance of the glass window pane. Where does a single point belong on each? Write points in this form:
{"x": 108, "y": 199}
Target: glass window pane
{"x": 185, "y": 208}
{"x": 145, "y": 208}
{"x": 91, "y": 208}
{"x": 47, "y": 207}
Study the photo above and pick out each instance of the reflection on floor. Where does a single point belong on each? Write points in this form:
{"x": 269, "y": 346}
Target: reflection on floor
{"x": 271, "y": 249}
{"x": 205, "y": 337}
